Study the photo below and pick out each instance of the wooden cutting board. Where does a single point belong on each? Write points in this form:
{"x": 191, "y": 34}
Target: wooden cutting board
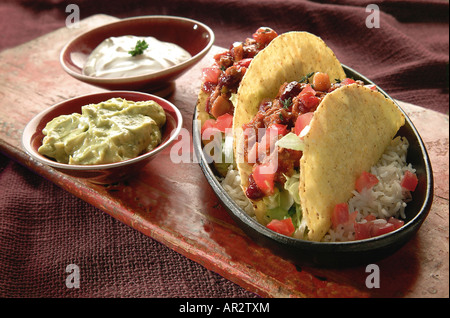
{"x": 174, "y": 204}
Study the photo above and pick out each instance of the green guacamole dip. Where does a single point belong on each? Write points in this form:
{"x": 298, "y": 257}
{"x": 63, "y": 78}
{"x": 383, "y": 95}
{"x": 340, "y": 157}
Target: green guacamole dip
{"x": 107, "y": 132}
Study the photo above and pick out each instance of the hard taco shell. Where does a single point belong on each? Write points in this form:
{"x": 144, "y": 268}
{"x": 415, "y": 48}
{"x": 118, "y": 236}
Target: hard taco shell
{"x": 349, "y": 132}
{"x": 287, "y": 58}
{"x": 202, "y": 114}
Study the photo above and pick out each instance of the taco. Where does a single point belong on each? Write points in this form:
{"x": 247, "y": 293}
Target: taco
{"x": 221, "y": 80}
{"x": 305, "y": 135}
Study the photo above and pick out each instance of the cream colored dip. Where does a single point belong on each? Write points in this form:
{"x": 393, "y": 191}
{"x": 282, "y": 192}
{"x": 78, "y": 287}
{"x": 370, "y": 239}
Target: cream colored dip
{"x": 112, "y": 58}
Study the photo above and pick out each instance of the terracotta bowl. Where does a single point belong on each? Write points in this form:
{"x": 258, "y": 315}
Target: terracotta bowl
{"x": 101, "y": 173}
{"x": 193, "y": 36}
{"x": 336, "y": 254}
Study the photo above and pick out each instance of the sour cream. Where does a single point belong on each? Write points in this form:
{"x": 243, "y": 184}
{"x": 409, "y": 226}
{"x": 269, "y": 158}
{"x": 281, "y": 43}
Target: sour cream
{"x": 111, "y": 58}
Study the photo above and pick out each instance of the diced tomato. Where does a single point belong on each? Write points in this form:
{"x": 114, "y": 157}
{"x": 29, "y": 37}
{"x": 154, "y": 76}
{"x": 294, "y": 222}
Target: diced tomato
{"x": 223, "y": 122}
{"x": 372, "y": 228}
{"x": 310, "y": 101}
{"x": 340, "y": 214}
{"x": 302, "y": 121}
{"x": 378, "y": 229}
{"x": 352, "y": 217}
{"x": 370, "y": 217}
{"x": 264, "y": 35}
{"x": 372, "y": 87}
{"x": 362, "y": 230}
{"x": 281, "y": 129}
{"x": 208, "y": 124}
{"x": 245, "y": 62}
{"x": 409, "y": 181}
{"x": 209, "y": 130}
{"x": 396, "y": 222}
{"x": 264, "y": 175}
{"x": 348, "y": 81}
{"x": 365, "y": 180}
{"x": 308, "y": 97}
{"x": 285, "y": 227}
{"x": 308, "y": 90}
{"x": 211, "y": 74}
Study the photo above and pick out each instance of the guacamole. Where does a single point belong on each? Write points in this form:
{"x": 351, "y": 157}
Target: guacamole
{"x": 111, "y": 131}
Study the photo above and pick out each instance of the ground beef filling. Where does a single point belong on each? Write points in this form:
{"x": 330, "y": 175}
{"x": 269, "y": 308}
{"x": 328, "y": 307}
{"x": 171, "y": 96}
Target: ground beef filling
{"x": 233, "y": 64}
{"x": 282, "y": 111}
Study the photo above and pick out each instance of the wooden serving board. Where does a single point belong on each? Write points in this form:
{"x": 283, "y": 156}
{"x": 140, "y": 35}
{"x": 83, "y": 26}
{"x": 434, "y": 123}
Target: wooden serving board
{"x": 174, "y": 204}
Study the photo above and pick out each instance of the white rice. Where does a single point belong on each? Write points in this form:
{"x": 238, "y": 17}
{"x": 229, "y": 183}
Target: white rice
{"x": 384, "y": 200}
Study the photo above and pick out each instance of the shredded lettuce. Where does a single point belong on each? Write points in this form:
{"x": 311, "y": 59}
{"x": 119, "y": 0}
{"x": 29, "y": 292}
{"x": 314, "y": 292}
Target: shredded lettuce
{"x": 291, "y": 141}
{"x": 227, "y": 158}
{"x": 285, "y": 203}
{"x": 295, "y": 212}
{"x": 233, "y": 99}
{"x": 227, "y": 148}
{"x": 291, "y": 185}
{"x": 272, "y": 201}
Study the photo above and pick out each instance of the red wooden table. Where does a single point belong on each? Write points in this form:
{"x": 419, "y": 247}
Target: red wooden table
{"x": 173, "y": 203}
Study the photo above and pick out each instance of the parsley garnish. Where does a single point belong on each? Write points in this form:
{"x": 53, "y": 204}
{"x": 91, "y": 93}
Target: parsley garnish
{"x": 140, "y": 47}
{"x": 305, "y": 78}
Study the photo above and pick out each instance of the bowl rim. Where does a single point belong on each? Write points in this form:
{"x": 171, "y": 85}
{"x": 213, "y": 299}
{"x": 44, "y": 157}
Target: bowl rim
{"x": 42, "y": 159}
{"x": 291, "y": 242}
{"x": 143, "y": 77}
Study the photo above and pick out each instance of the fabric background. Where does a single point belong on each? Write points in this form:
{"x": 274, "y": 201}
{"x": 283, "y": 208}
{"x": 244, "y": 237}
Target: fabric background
{"x": 43, "y": 228}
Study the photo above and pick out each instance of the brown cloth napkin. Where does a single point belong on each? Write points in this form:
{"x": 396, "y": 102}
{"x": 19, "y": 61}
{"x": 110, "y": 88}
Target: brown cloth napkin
{"x": 43, "y": 229}
{"x": 407, "y": 55}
